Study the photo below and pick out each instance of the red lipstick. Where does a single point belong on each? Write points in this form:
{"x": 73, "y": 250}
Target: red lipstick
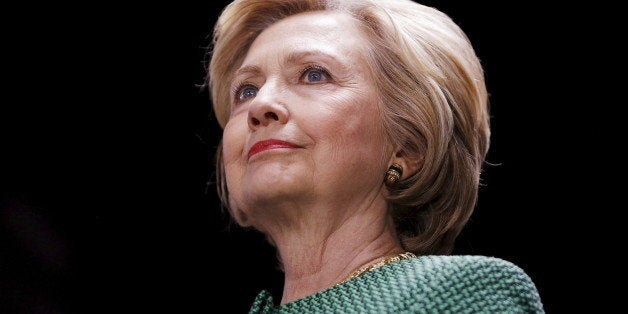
{"x": 269, "y": 144}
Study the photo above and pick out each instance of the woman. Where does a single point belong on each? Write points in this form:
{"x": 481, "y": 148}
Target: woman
{"x": 354, "y": 135}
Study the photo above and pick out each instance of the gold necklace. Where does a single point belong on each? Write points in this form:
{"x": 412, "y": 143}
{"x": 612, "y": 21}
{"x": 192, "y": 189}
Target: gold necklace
{"x": 378, "y": 264}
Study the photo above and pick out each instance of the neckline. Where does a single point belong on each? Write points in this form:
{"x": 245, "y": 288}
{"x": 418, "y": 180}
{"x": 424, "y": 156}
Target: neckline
{"x": 363, "y": 277}
{"x": 377, "y": 263}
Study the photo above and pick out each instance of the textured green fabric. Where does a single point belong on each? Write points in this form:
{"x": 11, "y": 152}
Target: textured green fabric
{"x": 427, "y": 284}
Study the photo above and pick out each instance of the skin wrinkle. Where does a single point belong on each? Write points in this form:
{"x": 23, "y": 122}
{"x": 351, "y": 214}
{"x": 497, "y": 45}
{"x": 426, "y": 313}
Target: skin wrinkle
{"x": 354, "y": 252}
{"x": 342, "y": 76}
{"x": 422, "y": 67}
{"x": 323, "y": 205}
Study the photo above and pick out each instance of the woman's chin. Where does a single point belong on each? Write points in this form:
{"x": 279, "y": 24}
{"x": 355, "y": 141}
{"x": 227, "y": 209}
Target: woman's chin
{"x": 273, "y": 172}
{"x": 273, "y": 186}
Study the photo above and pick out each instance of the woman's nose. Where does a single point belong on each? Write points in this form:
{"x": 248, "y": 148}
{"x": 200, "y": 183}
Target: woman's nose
{"x": 266, "y": 108}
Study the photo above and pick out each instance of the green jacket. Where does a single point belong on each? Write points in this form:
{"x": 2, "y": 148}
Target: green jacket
{"x": 427, "y": 284}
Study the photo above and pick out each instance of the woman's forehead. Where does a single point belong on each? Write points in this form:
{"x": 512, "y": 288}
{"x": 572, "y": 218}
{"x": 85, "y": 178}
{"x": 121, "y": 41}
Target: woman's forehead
{"x": 331, "y": 35}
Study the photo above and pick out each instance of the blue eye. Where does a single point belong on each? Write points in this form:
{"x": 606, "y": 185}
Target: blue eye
{"x": 247, "y": 91}
{"x": 315, "y": 74}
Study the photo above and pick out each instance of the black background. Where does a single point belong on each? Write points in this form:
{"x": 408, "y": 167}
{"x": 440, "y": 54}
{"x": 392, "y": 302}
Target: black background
{"x": 108, "y": 142}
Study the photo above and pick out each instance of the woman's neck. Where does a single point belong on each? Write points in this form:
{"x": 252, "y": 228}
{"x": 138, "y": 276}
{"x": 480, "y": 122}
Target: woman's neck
{"x": 318, "y": 253}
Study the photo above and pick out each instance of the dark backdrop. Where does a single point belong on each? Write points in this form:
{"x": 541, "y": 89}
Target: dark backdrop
{"x": 108, "y": 142}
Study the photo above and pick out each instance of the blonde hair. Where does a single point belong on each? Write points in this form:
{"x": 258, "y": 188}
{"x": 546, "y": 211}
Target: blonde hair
{"x": 433, "y": 96}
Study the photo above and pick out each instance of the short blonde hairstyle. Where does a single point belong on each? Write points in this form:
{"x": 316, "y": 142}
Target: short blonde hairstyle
{"x": 434, "y": 100}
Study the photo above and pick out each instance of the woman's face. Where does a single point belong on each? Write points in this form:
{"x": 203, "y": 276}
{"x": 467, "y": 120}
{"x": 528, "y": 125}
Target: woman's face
{"x": 305, "y": 124}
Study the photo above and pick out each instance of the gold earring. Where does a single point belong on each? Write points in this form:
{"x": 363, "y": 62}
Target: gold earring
{"x": 393, "y": 174}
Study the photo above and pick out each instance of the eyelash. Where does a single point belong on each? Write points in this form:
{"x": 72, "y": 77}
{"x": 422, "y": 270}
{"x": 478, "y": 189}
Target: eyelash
{"x": 240, "y": 86}
{"x": 237, "y": 89}
{"x": 309, "y": 68}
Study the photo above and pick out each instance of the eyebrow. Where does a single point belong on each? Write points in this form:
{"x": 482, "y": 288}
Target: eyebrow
{"x": 248, "y": 69}
{"x": 293, "y": 57}
{"x": 296, "y": 56}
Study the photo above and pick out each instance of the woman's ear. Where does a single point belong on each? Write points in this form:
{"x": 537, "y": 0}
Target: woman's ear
{"x": 410, "y": 164}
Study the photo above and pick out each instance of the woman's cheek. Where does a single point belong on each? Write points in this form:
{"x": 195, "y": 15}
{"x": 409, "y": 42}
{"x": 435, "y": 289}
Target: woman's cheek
{"x": 234, "y": 171}
{"x": 234, "y": 141}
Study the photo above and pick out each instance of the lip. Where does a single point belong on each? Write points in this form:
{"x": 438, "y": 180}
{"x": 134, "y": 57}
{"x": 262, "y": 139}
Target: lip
{"x": 268, "y": 145}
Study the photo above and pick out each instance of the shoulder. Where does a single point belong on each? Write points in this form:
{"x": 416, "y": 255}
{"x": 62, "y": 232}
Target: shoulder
{"x": 466, "y": 267}
{"x": 460, "y": 283}
{"x": 427, "y": 284}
